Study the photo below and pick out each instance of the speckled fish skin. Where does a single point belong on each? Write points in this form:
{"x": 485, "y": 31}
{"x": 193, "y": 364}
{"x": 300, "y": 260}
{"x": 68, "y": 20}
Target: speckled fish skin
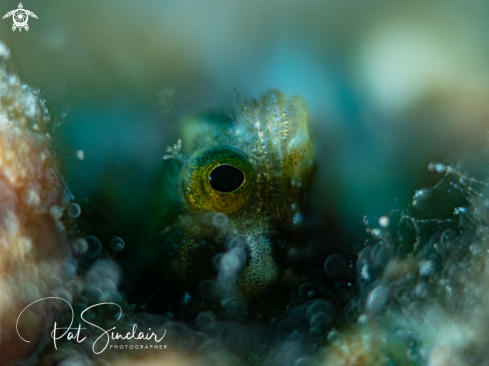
{"x": 273, "y": 134}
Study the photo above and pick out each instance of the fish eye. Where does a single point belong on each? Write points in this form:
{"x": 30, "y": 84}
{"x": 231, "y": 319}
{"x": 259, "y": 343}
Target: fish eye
{"x": 218, "y": 179}
{"x": 226, "y": 178}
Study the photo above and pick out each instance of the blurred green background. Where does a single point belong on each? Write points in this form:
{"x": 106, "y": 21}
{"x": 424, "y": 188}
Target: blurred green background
{"x": 390, "y": 85}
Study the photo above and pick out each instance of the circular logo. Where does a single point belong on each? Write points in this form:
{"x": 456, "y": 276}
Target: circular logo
{"x": 20, "y": 18}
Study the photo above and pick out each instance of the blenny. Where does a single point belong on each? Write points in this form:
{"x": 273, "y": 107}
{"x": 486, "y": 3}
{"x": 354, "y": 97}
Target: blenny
{"x": 244, "y": 186}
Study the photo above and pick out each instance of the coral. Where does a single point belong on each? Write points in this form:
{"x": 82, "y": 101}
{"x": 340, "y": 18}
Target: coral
{"x": 32, "y": 201}
{"x": 429, "y": 306}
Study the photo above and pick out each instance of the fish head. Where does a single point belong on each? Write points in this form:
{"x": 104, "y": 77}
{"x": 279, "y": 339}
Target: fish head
{"x": 244, "y": 187}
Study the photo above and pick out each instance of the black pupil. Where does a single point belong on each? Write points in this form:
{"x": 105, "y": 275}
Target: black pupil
{"x": 226, "y": 178}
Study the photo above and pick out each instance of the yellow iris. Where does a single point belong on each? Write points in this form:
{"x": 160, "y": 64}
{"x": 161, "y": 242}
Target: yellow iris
{"x": 218, "y": 179}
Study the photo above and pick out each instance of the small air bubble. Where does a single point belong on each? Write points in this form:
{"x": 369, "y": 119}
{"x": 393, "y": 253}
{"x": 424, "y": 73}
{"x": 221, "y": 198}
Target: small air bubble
{"x": 377, "y": 299}
{"x": 437, "y": 167}
{"x": 205, "y": 320}
{"x": 307, "y": 290}
{"x": 186, "y": 298}
{"x": 80, "y": 154}
{"x": 207, "y": 219}
{"x": 426, "y": 268}
{"x": 421, "y": 193}
{"x": 322, "y": 321}
{"x": 94, "y": 245}
{"x": 4, "y": 51}
{"x": 186, "y": 220}
{"x": 362, "y": 318}
{"x": 220, "y": 220}
{"x": 80, "y": 246}
{"x": 73, "y": 210}
{"x": 421, "y": 198}
{"x": 384, "y": 221}
{"x": 459, "y": 210}
{"x": 117, "y": 244}
{"x": 297, "y": 220}
{"x": 234, "y": 242}
{"x": 334, "y": 265}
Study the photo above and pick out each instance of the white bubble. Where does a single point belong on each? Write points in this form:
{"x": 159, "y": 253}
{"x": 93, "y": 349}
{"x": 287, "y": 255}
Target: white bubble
{"x": 70, "y": 267}
{"x": 459, "y": 210}
{"x": 94, "y": 245}
{"x": 220, "y": 220}
{"x": 320, "y": 306}
{"x": 377, "y": 299}
{"x": 334, "y": 265}
{"x": 438, "y": 167}
{"x": 426, "y": 268}
{"x": 31, "y": 197}
{"x": 234, "y": 241}
{"x": 364, "y": 273}
{"x": 362, "y": 318}
{"x": 186, "y": 220}
{"x": 307, "y": 290}
{"x": 4, "y": 51}
{"x": 322, "y": 321}
{"x": 80, "y": 154}
{"x": 422, "y": 290}
{"x": 117, "y": 244}
{"x": 384, "y": 221}
{"x": 422, "y": 193}
{"x": 207, "y": 219}
{"x": 205, "y": 320}
{"x": 186, "y": 298}
{"x": 80, "y": 246}
{"x": 421, "y": 198}
{"x": 73, "y": 210}
{"x": 56, "y": 212}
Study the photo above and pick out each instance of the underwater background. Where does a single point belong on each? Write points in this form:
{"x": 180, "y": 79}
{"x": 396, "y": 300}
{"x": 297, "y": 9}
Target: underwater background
{"x": 391, "y": 86}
